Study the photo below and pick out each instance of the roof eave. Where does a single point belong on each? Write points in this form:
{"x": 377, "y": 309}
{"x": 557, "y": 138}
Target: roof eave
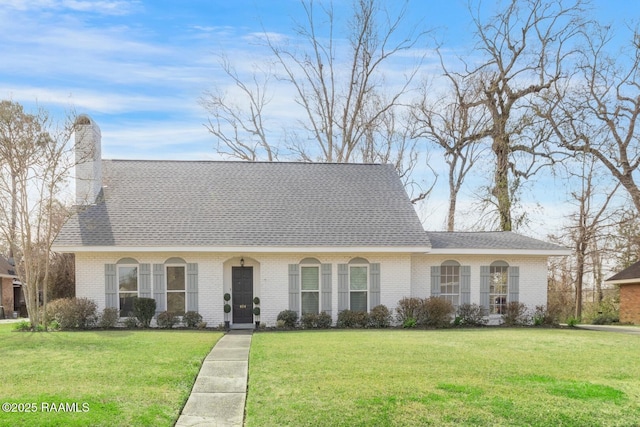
{"x": 485, "y": 251}
{"x": 623, "y": 281}
{"x": 253, "y": 249}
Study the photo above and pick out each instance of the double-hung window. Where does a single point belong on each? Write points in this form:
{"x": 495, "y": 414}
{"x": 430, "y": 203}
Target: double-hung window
{"x": 176, "y": 296}
{"x": 127, "y": 288}
{"x": 358, "y": 287}
{"x": 450, "y": 282}
{"x": 310, "y": 289}
{"x": 498, "y": 287}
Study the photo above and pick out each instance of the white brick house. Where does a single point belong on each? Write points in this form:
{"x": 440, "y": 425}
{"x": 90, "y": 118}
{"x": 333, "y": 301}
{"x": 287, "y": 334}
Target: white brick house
{"x": 300, "y": 236}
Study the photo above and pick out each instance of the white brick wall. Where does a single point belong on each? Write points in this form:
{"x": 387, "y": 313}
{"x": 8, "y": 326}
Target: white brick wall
{"x": 271, "y": 278}
{"x": 400, "y": 275}
{"x": 533, "y": 275}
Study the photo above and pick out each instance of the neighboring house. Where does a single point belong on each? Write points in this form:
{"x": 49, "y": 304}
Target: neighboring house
{"x": 309, "y": 237}
{"x": 629, "y": 282}
{"x": 11, "y": 298}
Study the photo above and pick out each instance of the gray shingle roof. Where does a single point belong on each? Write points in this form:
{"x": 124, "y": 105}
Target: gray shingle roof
{"x": 6, "y": 269}
{"x": 630, "y": 273}
{"x": 204, "y": 203}
{"x": 503, "y": 240}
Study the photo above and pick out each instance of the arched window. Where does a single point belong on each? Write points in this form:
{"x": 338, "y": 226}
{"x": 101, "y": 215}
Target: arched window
{"x": 498, "y": 287}
{"x": 127, "y": 269}
{"x": 310, "y": 286}
{"x": 358, "y": 284}
{"x": 450, "y": 282}
{"x": 176, "y": 285}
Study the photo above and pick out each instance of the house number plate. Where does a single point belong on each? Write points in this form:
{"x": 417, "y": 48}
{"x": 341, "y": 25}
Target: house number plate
{"x": 243, "y": 306}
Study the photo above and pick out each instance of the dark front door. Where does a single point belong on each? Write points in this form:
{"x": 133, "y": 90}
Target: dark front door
{"x": 242, "y": 298}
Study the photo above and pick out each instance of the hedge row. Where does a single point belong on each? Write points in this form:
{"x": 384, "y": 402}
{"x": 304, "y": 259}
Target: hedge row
{"x": 81, "y": 313}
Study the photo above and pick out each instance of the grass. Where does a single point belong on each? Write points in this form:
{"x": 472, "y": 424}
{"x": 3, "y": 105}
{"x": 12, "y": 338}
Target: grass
{"x": 485, "y": 377}
{"x": 125, "y": 378}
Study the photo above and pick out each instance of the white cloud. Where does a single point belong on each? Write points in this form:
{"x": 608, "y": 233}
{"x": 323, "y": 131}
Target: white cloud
{"x": 106, "y": 7}
{"x": 146, "y": 139}
{"x": 95, "y": 100}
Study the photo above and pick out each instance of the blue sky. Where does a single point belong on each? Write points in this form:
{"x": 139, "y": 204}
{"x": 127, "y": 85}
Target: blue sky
{"x": 139, "y": 67}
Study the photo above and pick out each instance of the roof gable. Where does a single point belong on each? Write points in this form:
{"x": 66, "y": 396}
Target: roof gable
{"x": 246, "y": 204}
{"x": 628, "y": 275}
{"x": 6, "y": 269}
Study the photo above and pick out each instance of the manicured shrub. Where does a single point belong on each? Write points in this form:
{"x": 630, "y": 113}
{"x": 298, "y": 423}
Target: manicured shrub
{"x": 471, "y": 315}
{"x": 144, "y": 309}
{"x": 73, "y": 313}
{"x": 289, "y": 317}
{"x": 605, "y": 319}
{"x": 191, "y": 319}
{"x": 436, "y": 312}
{"x": 316, "y": 321}
{"x": 256, "y": 301}
{"x": 308, "y": 320}
{"x": 516, "y": 314}
{"x": 109, "y": 318}
{"x": 545, "y": 316}
{"x": 408, "y": 308}
{"x": 352, "y": 319}
{"x": 380, "y": 317}
{"x": 166, "y": 320}
{"x": 323, "y": 320}
{"x": 131, "y": 323}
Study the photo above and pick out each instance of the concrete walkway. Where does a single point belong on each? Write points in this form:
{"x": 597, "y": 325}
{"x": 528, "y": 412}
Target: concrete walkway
{"x": 220, "y": 390}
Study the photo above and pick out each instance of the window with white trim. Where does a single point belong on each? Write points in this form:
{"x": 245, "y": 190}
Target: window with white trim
{"x": 176, "y": 289}
{"x": 358, "y": 287}
{"x": 450, "y": 282}
{"x": 498, "y": 287}
{"x": 310, "y": 289}
{"x": 127, "y": 288}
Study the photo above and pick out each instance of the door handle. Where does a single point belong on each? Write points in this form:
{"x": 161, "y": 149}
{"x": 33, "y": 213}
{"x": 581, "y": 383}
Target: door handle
{"x": 242, "y": 306}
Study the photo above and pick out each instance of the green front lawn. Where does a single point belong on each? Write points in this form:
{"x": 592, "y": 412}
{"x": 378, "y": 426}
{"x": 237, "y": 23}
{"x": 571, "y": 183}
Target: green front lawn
{"x": 485, "y": 377}
{"x": 102, "y": 378}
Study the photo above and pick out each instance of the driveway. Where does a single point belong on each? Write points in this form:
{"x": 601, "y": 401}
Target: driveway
{"x": 631, "y": 330}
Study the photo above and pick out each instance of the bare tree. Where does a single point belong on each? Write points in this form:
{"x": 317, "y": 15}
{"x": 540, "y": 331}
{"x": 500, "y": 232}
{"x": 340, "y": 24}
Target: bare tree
{"x": 392, "y": 142}
{"x": 36, "y": 159}
{"x": 522, "y": 50}
{"x": 599, "y": 110}
{"x": 447, "y": 122}
{"x": 589, "y": 223}
{"x": 61, "y": 277}
{"x": 560, "y": 287}
{"x": 241, "y": 129}
{"x": 626, "y": 239}
{"x": 343, "y": 103}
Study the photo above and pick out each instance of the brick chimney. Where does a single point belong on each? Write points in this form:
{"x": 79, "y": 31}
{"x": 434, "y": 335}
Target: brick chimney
{"x": 88, "y": 160}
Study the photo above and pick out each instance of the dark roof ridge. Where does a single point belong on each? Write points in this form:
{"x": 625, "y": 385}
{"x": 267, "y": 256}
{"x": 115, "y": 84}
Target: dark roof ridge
{"x": 482, "y": 231}
{"x": 247, "y": 162}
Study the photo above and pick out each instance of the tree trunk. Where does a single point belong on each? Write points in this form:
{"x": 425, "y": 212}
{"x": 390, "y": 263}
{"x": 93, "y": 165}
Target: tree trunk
{"x": 501, "y": 181}
{"x": 453, "y": 196}
{"x": 579, "y": 278}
